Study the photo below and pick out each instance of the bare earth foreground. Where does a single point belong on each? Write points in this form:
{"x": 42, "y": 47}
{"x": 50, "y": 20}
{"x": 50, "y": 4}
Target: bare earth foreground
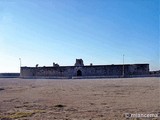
{"x": 78, "y": 99}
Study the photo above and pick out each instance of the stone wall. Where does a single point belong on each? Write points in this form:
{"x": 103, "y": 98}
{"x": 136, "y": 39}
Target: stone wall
{"x": 96, "y": 70}
{"x": 9, "y": 75}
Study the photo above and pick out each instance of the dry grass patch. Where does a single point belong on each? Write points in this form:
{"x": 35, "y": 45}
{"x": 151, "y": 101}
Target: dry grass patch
{"x": 2, "y": 89}
{"x": 17, "y": 115}
{"x": 60, "y": 106}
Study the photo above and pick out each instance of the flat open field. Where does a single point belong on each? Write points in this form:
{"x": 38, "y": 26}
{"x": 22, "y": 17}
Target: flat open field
{"x": 78, "y": 99}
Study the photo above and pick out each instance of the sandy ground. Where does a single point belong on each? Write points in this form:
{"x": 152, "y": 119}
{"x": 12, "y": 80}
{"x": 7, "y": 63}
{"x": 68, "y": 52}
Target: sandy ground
{"x": 78, "y": 99}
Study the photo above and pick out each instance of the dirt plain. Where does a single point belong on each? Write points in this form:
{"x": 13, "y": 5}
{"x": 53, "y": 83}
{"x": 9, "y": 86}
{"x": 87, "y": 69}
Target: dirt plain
{"x": 78, "y": 99}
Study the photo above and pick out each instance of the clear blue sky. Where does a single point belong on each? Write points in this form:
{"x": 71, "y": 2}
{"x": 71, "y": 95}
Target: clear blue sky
{"x": 98, "y": 31}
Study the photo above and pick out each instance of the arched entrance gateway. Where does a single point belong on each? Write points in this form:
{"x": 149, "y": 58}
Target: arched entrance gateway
{"x": 79, "y": 73}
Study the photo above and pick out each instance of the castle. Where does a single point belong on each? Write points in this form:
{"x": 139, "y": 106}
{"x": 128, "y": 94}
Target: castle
{"x": 81, "y": 70}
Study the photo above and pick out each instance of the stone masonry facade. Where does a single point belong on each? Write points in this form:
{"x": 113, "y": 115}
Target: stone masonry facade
{"x": 79, "y": 69}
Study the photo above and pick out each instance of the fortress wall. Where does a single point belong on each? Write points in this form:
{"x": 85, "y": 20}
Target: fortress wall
{"x": 99, "y": 70}
{"x": 138, "y": 69}
{"x": 48, "y": 71}
{"x": 27, "y": 71}
{"x": 68, "y": 71}
{"x": 102, "y": 70}
{"x": 53, "y": 71}
{"x": 110, "y": 70}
